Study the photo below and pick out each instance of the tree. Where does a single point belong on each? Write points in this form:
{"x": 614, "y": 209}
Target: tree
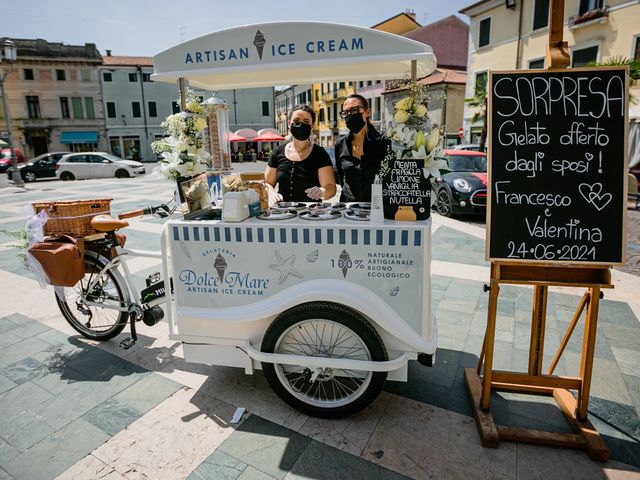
{"x": 479, "y": 101}
{"x": 622, "y": 61}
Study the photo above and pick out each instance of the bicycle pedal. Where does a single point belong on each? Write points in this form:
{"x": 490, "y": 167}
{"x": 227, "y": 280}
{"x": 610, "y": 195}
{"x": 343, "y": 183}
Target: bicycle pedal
{"x": 127, "y": 343}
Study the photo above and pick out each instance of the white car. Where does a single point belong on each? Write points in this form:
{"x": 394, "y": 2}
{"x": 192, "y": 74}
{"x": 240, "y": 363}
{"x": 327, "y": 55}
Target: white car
{"x": 96, "y": 165}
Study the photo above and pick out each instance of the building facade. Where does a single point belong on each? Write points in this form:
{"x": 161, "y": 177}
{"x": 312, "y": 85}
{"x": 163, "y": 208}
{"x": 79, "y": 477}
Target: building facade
{"x": 54, "y": 98}
{"x": 502, "y": 38}
{"x": 135, "y": 106}
{"x": 445, "y": 101}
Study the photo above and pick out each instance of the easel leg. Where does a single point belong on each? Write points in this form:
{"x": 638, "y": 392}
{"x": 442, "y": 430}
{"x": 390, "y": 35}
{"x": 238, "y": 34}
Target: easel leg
{"x": 574, "y": 321}
{"x": 538, "y": 321}
{"x": 588, "y": 351}
{"x": 489, "y": 340}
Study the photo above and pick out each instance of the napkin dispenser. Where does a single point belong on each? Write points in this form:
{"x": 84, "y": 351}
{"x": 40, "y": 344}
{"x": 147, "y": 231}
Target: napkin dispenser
{"x": 235, "y": 206}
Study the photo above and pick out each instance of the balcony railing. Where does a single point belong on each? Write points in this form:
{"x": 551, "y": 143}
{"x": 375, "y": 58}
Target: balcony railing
{"x": 591, "y": 16}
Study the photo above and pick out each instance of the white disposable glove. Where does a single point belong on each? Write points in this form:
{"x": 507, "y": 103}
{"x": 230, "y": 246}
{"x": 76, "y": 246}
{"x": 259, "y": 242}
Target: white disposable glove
{"x": 274, "y": 197}
{"x": 315, "y": 193}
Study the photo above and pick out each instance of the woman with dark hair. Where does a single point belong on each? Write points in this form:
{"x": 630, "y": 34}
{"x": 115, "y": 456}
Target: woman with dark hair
{"x": 302, "y": 169}
{"x": 359, "y": 154}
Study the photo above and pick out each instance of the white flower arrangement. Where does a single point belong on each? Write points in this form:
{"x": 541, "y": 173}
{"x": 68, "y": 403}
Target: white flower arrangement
{"x": 413, "y": 136}
{"x": 183, "y": 152}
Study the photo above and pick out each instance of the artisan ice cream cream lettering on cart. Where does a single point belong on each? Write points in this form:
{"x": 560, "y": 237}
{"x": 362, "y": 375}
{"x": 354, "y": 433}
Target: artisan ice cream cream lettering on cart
{"x": 405, "y": 173}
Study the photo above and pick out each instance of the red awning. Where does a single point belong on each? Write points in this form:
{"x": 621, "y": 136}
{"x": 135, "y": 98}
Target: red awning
{"x": 236, "y": 138}
{"x": 268, "y": 137}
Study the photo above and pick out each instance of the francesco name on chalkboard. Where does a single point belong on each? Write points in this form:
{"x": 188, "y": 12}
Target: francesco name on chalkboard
{"x": 558, "y": 164}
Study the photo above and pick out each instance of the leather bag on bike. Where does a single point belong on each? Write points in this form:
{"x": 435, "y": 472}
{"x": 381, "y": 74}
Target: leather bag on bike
{"x": 61, "y": 258}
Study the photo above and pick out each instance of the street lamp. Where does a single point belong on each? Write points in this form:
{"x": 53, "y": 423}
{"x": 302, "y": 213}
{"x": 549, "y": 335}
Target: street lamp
{"x": 9, "y": 53}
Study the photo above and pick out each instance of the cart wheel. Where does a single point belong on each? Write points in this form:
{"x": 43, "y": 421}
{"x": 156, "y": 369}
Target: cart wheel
{"x": 323, "y": 329}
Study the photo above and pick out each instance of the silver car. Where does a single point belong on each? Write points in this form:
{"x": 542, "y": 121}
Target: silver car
{"x": 96, "y": 165}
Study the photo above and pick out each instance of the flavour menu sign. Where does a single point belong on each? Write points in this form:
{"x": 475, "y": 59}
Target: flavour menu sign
{"x": 557, "y": 174}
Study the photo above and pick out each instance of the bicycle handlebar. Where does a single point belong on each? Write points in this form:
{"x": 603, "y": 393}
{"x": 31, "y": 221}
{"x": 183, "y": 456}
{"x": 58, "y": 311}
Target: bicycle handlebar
{"x": 160, "y": 209}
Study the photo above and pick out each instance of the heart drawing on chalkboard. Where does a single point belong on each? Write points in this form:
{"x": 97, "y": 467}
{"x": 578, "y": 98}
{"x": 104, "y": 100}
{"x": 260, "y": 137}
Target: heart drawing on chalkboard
{"x": 593, "y": 195}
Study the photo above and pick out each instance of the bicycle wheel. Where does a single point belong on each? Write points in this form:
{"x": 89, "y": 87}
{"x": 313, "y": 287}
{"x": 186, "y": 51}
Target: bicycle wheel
{"x": 322, "y": 329}
{"x": 97, "y": 322}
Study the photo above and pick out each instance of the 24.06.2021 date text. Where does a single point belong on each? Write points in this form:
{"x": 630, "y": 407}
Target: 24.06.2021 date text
{"x": 542, "y": 251}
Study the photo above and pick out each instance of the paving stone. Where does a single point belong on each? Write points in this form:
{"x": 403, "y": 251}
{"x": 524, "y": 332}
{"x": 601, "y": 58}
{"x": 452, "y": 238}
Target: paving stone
{"x": 111, "y": 416}
{"x": 6, "y": 384}
{"x": 251, "y": 473}
{"x": 7, "y": 339}
{"x": 218, "y": 466}
{"x": 4, "y": 475}
{"x": 19, "y": 318}
{"x": 57, "y": 452}
{"x": 90, "y": 468}
{"x": 422, "y": 441}
{"x": 349, "y": 434}
{"x": 176, "y": 437}
{"x": 29, "y": 329}
{"x": 323, "y": 462}
{"x": 457, "y": 305}
{"x": 7, "y": 452}
{"x": 21, "y": 350}
{"x": 268, "y": 447}
{"x": 30, "y": 434}
{"x": 7, "y": 326}
{"x": 56, "y": 337}
{"x": 618, "y": 336}
{"x": 145, "y": 394}
{"x": 628, "y": 360}
{"x": 24, "y": 370}
{"x": 16, "y": 406}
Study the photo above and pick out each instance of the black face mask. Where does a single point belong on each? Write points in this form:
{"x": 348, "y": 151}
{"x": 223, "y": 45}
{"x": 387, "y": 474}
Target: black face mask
{"x": 300, "y": 131}
{"x": 355, "y": 122}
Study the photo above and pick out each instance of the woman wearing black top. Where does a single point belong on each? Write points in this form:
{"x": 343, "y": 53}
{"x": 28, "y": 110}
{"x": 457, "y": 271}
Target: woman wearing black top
{"x": 302, "y": 170}
{"x": 359, "y": 154}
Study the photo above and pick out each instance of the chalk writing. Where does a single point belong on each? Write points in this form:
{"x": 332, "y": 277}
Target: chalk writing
{"x": 557, "y": 148}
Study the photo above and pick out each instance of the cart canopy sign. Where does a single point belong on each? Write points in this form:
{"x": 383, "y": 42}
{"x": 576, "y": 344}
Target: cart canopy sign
{"x": 557, "y": 174}
{"x": 291, "y": 52}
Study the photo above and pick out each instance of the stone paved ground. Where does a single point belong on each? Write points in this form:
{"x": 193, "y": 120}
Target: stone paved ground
{"x": 76, "y": 409}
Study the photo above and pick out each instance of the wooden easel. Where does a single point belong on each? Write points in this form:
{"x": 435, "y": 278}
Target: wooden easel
{"x": 534, "y": 381}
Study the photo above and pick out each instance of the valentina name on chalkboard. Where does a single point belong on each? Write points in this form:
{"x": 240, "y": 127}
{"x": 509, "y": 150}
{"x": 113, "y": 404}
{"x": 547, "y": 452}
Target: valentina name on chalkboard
{"x": 406, "y": 192}
{"x": 558, "y": 165}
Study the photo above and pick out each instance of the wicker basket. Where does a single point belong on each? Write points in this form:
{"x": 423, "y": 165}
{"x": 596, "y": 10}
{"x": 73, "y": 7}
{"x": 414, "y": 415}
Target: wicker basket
{"x": 72, "y": 218}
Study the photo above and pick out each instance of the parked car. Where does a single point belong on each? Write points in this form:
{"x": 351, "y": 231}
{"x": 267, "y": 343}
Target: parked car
{"x": 464, "y": 188}
{"x": 469, "y": 146}
{"x": 96, "y": 165}
{"x": 42, "y": 166}
{"x": 5, "y": 158}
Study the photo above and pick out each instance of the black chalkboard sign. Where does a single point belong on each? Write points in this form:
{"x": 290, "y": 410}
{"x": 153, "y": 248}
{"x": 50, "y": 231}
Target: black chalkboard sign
{"x": 406, "y": 192}
{"x": 557, "y": 173}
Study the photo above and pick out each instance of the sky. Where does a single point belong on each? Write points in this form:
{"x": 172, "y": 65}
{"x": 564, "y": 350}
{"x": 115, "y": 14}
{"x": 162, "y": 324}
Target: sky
{"x": 147, "y": 27}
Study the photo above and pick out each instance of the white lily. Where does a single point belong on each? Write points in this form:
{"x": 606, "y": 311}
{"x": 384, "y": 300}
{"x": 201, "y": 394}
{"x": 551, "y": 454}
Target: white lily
{"x": 433, "y": 165}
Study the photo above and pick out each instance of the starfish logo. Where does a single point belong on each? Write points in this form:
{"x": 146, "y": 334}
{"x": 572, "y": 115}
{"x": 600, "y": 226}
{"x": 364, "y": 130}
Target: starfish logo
{"x": 285, "y": 267}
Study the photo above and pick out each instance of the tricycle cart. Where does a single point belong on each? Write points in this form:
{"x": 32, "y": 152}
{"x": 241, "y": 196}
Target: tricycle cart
{"x": 327, "y": 309}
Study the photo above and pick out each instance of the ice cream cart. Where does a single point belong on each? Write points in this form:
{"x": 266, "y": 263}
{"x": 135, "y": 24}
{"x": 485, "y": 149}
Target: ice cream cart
{"x": 328, "y": 306}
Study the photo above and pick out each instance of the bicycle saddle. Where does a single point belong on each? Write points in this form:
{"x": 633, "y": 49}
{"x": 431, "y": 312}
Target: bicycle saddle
{"x": 106, "y": 223}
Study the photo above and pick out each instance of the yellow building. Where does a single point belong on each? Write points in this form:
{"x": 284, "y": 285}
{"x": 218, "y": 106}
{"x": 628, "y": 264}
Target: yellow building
{"x": 504, "y": 38}
{"x": 327, "y": 98}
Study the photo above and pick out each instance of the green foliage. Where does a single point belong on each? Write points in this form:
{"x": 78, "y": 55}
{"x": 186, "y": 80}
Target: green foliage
{"x": 622, "y": 61}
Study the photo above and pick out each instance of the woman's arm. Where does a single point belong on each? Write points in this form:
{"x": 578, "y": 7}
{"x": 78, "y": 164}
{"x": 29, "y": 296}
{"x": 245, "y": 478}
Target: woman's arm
{"x": 270, "y": 176}
{"x": 327, "y": 181}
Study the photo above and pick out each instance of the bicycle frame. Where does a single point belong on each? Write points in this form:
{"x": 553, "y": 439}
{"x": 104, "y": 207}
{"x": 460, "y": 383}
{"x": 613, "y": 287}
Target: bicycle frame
{"x": 120, "y": 260}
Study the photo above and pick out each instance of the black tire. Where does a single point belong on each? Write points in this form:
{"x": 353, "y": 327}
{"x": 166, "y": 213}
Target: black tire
{"x": 288, "y": 381}
{"x": 444, "y": 205}
{"x": 101, "y": 323}
{"x": 122, "y": 174}
{"x": 29, "y": 176}
{"x": 65, "y": 176}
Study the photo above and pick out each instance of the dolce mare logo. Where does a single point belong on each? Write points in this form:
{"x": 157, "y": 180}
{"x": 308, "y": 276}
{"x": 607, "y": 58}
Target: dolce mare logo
{"x": 317, "y": 47}
{"x": 216, "y": 277}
